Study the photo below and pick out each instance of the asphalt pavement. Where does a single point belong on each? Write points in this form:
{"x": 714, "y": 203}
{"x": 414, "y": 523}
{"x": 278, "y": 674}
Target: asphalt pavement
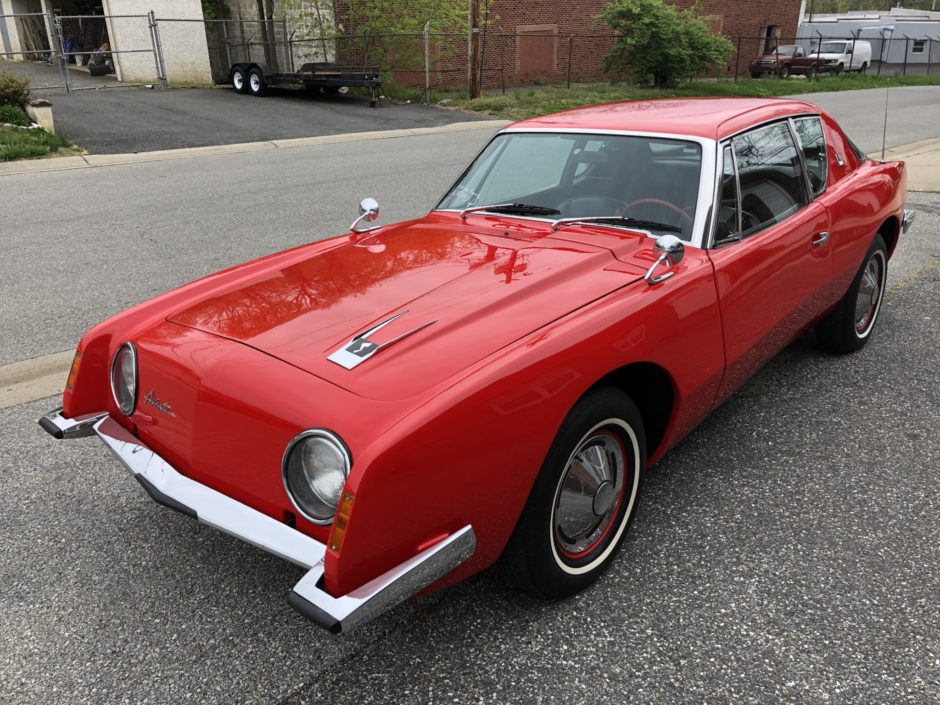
{"x": 788, "y": 551}
{"x": 123, "y": 120}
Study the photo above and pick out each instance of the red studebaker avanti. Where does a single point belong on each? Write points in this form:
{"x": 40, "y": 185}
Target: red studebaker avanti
{"x": 400, "y": 407}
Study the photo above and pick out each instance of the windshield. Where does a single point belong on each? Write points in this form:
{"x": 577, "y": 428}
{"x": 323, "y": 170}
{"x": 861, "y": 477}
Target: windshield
{"x": 785, "y": 50}
{"x": 832, "y": 48}
{"x": 562, "y": 175}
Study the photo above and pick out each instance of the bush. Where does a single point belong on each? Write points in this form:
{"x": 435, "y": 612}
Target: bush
{"x": 13, "y": 90}
{"x": 661, "y": 42}
{"x": 14, "y": 115}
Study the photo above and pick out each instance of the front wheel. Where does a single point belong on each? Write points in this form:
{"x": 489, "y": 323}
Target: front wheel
{"x": 811, "y": 76}
{"x": 785, "y": 71}
{"x": 583, "y": 499}
{"x": 851, "y": 323}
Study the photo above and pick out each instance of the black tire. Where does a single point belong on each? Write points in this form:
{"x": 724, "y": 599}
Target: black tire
{"x": 784, "y": 72}
{"x": 839, "y": 69}
{"x": 851, "y": 323}
{"x": 755, "y": 74}
{"x": 541, "y": 558}
{"x": 239, "y": 80}
{"x": 864, "y": 68}
{"x": 256, "y": 84}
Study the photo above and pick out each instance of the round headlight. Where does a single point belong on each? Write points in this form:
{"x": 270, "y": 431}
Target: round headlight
{"x": 124, "y": 378}
{"x": 316, "y": 465}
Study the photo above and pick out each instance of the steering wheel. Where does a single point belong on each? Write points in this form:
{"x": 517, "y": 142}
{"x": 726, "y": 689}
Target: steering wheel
{"x": 587, "y": 206}
{"x": 659, "y": 202}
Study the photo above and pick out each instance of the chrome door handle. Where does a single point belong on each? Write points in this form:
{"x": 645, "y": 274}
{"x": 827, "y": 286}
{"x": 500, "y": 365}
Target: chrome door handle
{"x": 820, "y": 239}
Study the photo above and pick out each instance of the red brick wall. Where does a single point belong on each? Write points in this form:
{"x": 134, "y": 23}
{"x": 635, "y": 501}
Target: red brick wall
{"x": 533, "y": 41}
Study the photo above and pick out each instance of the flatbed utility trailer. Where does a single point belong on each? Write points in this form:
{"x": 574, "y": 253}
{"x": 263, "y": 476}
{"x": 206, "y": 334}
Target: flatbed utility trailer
{"x": 253, "y": 77}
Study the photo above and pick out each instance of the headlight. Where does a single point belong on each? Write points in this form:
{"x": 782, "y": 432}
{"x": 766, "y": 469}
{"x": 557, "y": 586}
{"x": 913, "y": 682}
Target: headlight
{"x": 124, "y": 378}
{"x": 316, "y": 465}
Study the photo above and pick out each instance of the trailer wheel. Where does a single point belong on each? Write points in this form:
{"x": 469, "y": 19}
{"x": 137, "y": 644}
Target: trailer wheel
{"x": 256, "y": 84}
{"x": 239, "y": 82}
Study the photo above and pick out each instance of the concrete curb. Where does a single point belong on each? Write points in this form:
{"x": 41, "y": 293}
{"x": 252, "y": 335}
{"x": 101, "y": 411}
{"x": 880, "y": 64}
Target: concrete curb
{"x": 99, "y": 160}
{"x": 39, "y": 377}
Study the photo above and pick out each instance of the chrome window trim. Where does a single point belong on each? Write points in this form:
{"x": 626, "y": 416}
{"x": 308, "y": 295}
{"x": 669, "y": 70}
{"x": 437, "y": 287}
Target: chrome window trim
{"x": 133, "y": 350}
{"x": 347, "y": 457}
{"x": 706, "y": 186}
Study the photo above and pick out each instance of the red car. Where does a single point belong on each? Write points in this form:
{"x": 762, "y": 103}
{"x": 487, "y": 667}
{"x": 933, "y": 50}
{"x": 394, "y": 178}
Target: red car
{"x": 400, "y": 407}
{"x": 786, "y": 60}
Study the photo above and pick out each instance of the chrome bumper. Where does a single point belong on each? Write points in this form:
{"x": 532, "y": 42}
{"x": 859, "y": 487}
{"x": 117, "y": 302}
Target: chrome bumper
{"x": 907, "y": 219}
{"x": 168, "y": 487}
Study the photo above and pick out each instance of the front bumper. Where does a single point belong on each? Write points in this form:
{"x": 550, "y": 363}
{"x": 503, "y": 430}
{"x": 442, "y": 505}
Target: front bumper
{"x": 337, "y": 614}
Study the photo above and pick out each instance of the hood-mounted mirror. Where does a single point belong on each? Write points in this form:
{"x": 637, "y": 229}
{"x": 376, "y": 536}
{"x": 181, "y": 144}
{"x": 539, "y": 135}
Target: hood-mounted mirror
{"x": 368, "y": 211}
{"x": 672, "y": 251}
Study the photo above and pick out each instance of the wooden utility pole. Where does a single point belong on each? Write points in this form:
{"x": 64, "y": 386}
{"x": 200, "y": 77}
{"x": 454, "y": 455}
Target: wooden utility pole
{"x": 474, "y": 58}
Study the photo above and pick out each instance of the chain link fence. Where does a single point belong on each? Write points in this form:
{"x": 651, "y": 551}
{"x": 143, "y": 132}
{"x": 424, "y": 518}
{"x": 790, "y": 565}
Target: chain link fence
{"x": 882, "y": 55}
{"x": 79, "y": 52}
{"x": 93, "y": 51}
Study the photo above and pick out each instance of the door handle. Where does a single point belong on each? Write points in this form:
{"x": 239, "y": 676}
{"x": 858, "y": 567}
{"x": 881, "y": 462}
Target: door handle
{"x": 820, "y": 239}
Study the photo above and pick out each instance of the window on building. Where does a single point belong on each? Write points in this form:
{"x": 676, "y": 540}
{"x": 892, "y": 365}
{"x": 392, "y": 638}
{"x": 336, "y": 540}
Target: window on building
{"x": 918, "y": 46}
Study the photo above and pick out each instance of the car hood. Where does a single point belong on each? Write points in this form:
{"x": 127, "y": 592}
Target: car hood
{"x": 448, "y": 293}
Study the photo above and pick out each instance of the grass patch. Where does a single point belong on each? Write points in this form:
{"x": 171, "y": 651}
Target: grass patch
{"x": 518, "y": 104}
{"x": 30, "y": 144}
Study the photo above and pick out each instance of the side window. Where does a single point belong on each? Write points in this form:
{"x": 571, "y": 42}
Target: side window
{"x": 727, "y": 227}
{"x": 810, "y": 132}
{"x": 770, "y": 177}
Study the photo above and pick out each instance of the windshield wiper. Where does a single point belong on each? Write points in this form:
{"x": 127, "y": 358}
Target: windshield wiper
{"x": 518, "y": 208}
{"x": 617, "y": 220}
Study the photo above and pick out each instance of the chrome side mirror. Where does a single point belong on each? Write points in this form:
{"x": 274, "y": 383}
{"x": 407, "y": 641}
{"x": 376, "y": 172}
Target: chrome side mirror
{"x": 672, "y": 251}
{"x": 368, "y": 211}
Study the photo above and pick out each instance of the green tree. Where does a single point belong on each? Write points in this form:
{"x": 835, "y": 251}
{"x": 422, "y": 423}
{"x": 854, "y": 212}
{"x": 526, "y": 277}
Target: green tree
{"x": 659, "y": 41}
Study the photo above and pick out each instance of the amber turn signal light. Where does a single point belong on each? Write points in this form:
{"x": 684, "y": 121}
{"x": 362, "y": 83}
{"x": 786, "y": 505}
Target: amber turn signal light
{"x": 73, "y": 371}
{"x": 340, "y": 522}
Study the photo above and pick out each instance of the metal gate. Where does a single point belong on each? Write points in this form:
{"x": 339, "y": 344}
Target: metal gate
{"x": 85, "y": 51}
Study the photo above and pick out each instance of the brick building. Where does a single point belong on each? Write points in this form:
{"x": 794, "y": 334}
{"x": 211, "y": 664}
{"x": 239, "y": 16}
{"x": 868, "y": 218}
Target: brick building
{"x": 539, "y": 34}
{"x": 528, "y": 41}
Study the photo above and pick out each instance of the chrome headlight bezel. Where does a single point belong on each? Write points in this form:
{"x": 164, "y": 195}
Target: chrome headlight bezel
{"x": 319, "y": 511}
{"x": 130, "y": 349}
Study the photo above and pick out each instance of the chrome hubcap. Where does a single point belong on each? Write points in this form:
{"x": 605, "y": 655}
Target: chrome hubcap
{"x": 590, "y": 494}
{"x": 869, "y": 294}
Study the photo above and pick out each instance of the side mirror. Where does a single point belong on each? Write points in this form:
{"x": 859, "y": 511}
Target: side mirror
{"x": 368, "y": 211}
{"x": 673, "y": 250}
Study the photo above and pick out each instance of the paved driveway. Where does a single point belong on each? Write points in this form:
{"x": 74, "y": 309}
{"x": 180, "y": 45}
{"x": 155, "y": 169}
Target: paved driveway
{"x": 123, "y": 120}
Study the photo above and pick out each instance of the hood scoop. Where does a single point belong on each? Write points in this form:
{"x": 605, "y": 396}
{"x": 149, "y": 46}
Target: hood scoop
{"x": 361, "y": 347}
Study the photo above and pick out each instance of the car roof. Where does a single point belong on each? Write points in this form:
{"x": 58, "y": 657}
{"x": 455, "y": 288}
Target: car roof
{"x": 711, "y": 118}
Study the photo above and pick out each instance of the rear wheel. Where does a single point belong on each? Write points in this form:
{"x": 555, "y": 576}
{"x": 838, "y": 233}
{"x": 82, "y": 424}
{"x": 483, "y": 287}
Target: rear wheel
{"x": 851, "y": 323}
{"x": 583, "y": 499}
{"x": 864, "y": 67}
{"x": 256, "y": 85}
{"x": 239, "y": 80}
